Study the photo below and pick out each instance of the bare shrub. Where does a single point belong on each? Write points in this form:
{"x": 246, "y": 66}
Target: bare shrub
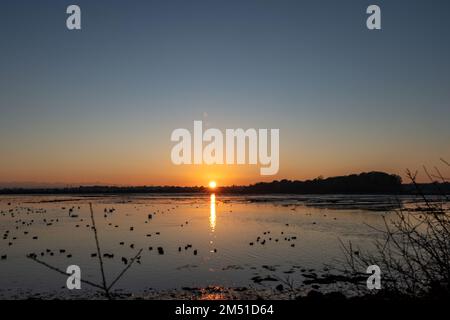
{"x": 413, "y": 251}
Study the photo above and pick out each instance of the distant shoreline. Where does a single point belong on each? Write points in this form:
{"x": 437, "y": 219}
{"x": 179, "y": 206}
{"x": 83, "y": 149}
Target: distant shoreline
{"x": 206, "y": 192}
{"x": 363, "y": 183}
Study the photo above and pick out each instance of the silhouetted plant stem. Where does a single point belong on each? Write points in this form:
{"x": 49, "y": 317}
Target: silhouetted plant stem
{"x": 99, "y": 253}
{"x": 63, "y": 272}
{"x": 104, "y": 285}
{"x": 125, "y": 270}
{"x": 414, "y": 250}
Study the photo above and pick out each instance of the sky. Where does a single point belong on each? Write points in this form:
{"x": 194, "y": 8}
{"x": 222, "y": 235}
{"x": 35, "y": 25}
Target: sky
{"x": 98, "y": 105}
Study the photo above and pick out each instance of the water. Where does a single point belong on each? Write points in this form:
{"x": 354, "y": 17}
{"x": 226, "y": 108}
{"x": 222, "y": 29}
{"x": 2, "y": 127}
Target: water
{"x": 296, "y": 234}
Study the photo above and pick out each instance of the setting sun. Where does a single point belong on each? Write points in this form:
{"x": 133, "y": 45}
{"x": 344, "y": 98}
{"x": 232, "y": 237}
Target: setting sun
{"x": 212, "y": 184}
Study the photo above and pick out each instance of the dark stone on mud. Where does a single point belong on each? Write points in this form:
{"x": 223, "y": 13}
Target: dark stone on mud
{"x": 259, "y": 279}
{"x": 188, "y": 289}
{"x": 330, "y": 279}
{"x": 240, "y": 289}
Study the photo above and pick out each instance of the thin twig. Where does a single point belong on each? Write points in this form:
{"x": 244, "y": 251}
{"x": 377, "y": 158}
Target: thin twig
{"x": 99, "y": 253}
{"x": 104, "y": 286}
{"x": 124, "y": 270}
{"x": 62, "y": 272}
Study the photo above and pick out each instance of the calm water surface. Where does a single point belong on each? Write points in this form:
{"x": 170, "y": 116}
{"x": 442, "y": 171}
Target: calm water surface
{"x": 207, "y": 239}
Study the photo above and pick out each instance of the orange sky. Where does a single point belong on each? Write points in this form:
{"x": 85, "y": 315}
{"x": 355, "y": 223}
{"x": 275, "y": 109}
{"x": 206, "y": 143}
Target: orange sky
{"x": 99, "y": 105}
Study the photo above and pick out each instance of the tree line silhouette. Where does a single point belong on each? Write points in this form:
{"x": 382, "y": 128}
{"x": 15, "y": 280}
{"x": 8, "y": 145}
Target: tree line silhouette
{"x": 366, "y": 182}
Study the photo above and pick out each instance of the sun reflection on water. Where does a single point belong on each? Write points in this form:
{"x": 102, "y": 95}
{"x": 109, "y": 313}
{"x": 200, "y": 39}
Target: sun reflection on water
{"x": 212, "y": 212}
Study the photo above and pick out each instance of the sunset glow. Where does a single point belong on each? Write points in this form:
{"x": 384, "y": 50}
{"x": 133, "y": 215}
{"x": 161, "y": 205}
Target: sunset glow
{"x": 120, "y": 134}
{"x": 212, "y": 184}
{"x": 268, "y": 154}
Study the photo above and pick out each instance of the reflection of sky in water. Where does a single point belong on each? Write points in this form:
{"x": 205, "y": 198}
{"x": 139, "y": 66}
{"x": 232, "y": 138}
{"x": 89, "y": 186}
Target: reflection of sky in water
{"x": 291, "y": 234}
